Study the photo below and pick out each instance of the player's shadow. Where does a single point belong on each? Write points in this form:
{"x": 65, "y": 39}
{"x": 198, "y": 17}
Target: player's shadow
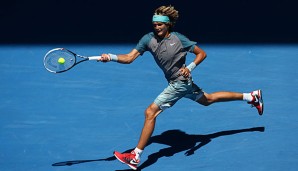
{"x": 177, "y": 140}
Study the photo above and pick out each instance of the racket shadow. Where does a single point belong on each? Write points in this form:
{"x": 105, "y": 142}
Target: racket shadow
{"x": 74, "y": 162}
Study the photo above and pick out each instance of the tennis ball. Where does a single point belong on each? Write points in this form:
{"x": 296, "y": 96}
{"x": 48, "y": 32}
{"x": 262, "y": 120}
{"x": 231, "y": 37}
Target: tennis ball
{"x": 61, "y": 60}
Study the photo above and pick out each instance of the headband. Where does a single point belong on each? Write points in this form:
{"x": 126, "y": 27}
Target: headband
{"x": 160, "y": 18}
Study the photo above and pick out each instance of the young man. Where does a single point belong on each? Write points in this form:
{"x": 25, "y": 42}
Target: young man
{"x": 169, "y": 50}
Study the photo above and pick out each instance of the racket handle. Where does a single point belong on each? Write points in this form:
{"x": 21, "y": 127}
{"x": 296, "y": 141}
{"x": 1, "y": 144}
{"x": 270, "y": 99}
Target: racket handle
{"x": 94, "y": 57}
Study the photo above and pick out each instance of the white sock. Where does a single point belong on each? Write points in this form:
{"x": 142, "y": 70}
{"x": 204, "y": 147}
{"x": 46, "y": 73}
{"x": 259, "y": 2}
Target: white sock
{"x": 247, "y": 97}
{"x": 138, "y": 153}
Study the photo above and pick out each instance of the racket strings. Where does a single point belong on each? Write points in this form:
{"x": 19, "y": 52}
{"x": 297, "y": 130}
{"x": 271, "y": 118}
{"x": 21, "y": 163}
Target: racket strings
{"x": 52, "y": 64}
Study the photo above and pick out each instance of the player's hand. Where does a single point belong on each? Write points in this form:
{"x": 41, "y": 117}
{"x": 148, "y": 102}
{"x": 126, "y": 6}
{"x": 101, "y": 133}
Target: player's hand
{"x": 184, "y": 72}
{"x": 105, "y": 58}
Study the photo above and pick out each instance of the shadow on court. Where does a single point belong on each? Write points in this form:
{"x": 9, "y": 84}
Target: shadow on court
{"x": 177, "y": 140}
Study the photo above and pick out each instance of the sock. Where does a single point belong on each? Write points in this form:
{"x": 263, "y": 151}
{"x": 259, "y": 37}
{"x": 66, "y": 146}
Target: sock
{"x": 138, "y": 153}
{"x": 247, "y": 97}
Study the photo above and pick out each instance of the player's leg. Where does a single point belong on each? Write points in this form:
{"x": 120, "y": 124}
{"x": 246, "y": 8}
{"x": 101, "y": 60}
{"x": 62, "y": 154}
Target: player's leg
{"x": 133, "y": 159}
{"x": 223, "y": 96}
{"x": 150, "y": 118}
{"x": 166, "y": 99}
{"x": 254, "y": 98}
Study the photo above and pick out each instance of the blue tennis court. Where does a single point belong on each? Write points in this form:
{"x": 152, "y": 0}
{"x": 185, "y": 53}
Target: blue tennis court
{"x": 75, "y": 120}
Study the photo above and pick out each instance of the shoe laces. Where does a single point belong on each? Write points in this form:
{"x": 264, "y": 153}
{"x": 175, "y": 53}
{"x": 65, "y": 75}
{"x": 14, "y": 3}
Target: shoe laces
{"x": 255, "y": 101}
{"x": 134, "y": 161}
{"x": 131, "y": 158}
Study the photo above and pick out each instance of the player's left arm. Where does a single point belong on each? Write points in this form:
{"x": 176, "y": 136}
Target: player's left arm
{"x": 200, "y": 56}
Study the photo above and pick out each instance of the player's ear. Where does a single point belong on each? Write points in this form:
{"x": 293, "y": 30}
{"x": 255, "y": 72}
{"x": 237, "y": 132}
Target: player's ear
{"x": 169, "y": 25}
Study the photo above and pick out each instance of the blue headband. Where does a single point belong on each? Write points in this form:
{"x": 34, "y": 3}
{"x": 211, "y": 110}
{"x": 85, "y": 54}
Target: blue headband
{"x": 160, "y": 18}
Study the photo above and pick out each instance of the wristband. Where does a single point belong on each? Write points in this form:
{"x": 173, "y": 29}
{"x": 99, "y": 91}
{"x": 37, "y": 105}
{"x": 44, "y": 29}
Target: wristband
{"x": 191, "y": 66}
{"x": 113, "y": 57}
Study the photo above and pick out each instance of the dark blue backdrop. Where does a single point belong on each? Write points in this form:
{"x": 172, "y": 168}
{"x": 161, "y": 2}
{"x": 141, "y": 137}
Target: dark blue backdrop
{"x": 93, "y": 21}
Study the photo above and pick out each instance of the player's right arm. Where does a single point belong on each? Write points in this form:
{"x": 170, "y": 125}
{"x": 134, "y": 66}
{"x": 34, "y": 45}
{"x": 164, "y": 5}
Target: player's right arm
{"x": 121, "y": 58}
{"x": 131, "y": 56}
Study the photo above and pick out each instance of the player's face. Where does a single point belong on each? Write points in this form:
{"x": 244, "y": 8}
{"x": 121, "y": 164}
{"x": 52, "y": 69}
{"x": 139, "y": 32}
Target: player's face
{"x": 161, "y": 29}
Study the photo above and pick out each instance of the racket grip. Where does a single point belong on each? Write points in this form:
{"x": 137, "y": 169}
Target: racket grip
{"x": 94, "y": 57}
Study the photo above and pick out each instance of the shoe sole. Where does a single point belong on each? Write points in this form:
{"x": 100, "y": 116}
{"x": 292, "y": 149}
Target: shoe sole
{"x": 261, "y": 102}
{"x": 132, "y": 167}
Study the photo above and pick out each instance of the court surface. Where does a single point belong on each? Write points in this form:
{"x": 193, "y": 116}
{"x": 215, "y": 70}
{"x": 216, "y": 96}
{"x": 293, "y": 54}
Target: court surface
{"x": 75, "y": 120}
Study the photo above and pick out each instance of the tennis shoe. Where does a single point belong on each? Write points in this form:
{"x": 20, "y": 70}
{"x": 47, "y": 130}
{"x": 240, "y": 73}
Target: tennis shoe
{"x": 257, "y": 101}
{"x": 128, "y": 158}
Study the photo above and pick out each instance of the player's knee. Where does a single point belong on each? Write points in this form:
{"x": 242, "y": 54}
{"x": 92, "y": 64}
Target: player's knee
{"x": 151, "y": 113}
{"x": 207, "y": 100}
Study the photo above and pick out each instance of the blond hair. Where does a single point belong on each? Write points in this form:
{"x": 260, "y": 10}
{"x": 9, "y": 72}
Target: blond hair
{"x": 169, "y": 11}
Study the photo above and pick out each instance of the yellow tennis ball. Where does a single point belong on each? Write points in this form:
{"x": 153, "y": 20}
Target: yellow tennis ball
{"x": 61, "y": 60}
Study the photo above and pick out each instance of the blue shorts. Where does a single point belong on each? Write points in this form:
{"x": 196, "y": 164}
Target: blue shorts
{"x": 175, "y": 91}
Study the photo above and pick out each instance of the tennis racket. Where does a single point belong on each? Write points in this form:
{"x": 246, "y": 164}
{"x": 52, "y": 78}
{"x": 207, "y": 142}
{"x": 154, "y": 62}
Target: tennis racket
{"x": 60, "y": 60}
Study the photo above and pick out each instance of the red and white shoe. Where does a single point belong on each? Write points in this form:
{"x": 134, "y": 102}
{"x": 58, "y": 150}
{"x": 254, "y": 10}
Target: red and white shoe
{"x": 128, "y": 158}
{"x": 257, "y": 101}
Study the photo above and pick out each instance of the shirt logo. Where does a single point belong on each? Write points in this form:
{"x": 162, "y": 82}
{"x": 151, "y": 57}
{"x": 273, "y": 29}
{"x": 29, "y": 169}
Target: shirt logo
{"x": 172, "y": 44}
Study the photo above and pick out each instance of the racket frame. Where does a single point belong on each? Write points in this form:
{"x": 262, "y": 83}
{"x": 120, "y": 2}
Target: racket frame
{"x": 76, "y": 56}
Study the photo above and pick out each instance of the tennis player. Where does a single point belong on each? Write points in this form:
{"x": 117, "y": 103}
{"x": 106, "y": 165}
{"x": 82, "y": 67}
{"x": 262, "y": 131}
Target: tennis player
{"x": 169, "y": 50}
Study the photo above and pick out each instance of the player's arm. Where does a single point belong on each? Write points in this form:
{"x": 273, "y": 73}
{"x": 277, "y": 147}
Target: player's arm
{"x": 121, "y": 58}
{"x": 200, "y": 56}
